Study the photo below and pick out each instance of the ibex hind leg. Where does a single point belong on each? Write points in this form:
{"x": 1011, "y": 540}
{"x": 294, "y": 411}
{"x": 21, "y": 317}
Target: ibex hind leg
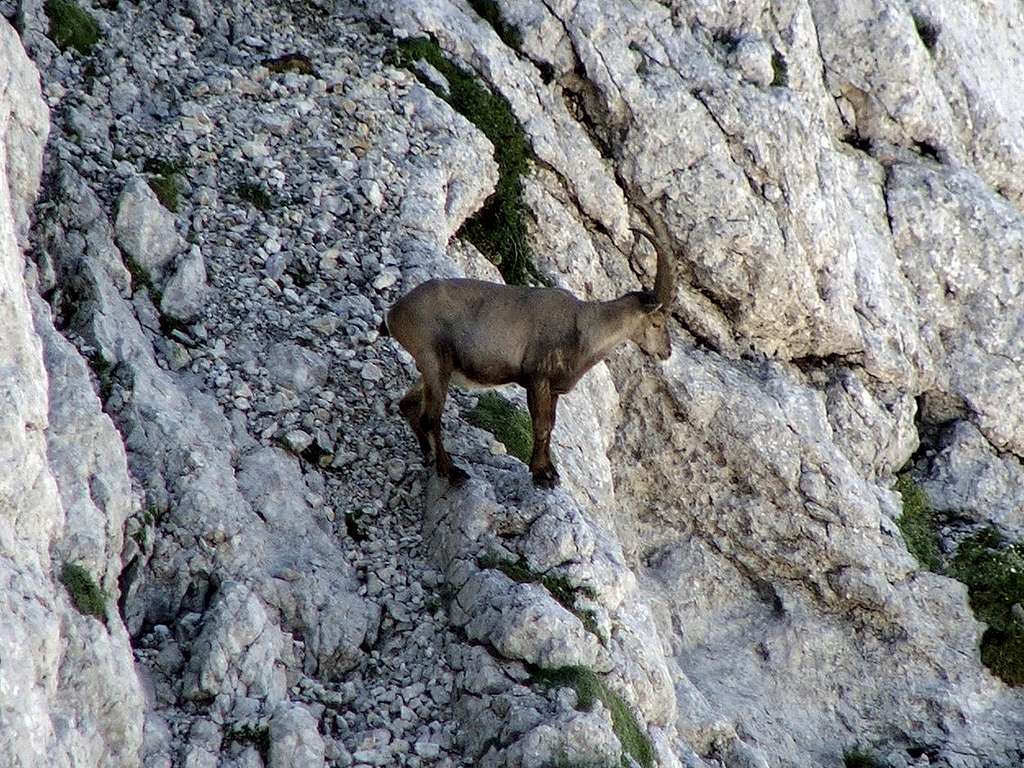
{"x": 411, "y": 407}
{"x": 435, "y": 391}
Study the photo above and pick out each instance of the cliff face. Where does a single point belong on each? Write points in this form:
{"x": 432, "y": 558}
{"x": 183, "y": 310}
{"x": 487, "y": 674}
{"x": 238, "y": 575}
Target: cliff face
{"x": 200, "y": 414}
{"x": 70, "y": 694}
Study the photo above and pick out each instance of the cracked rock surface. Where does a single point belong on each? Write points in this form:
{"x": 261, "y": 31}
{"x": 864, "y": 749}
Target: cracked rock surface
{"x": 199, "y": 412}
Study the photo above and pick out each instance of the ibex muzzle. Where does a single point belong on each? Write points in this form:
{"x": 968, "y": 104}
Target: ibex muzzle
{"x": 544, "y": 339}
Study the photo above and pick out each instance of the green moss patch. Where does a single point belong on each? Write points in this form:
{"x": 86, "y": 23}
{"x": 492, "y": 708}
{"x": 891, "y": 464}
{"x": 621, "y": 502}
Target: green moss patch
{"x": 165, "y": 180}
{"x": 859, "y": 757}
{"x": 255, "y": 195}
{"x": 589, "y": 689}
{"x": 104, "y": 371}
{"x": 780, "y": 70}
{"x": 499, "y": 229}
{"x": 994, "y": 575}
{"x": 512, "y": 426}
{"x": 167, "y": 189}
{"x": 917, "y": 523}
{"x": 71, "y": 26}
{"x": 250, "y": 733}
{"x": 85, "y": 593}
{"x": 296, "y": 63}
{"x": 141, "y": 279}
{"x": 563, "y": 590}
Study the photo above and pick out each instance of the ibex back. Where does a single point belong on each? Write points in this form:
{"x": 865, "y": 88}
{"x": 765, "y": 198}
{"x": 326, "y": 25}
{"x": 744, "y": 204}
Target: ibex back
{"x": 477, "y": 333}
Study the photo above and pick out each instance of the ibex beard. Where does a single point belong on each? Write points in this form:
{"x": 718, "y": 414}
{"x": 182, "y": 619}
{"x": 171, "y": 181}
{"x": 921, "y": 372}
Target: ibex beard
{"x": 544, "y": 339}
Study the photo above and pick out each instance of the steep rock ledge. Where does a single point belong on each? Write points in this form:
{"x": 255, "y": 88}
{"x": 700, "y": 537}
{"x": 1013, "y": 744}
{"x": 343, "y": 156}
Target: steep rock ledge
{"x": 772, "y": 476}
{"x": 734, "y": 584}
{"x": 70, "y": 693}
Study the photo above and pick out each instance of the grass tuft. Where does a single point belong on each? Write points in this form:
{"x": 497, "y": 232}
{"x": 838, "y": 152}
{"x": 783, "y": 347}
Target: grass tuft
{"x": 167, "y": 189}
{"x": 250, "y": 733}
{"x": 994, "y": 575}
{"x": 255, "y": 195}
{"x": 71, "y": 26}
{"x": 780, "y": 70}
{"x": 165, "y": 180}
{"x": 499, "y": 228}
{"x": 85, "y": 593}
{"x": 917, "y": 524}
{"x": 589, "y": 689}
{"x": 861, "y": 757}
{"x": 563, "y": 590}
{"x": 296, "y": 63}
{"x": 512, "y": 426}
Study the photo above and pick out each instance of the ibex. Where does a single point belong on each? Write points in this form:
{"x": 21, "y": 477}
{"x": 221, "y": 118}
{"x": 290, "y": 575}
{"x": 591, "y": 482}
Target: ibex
{"x": 479, "y": 334}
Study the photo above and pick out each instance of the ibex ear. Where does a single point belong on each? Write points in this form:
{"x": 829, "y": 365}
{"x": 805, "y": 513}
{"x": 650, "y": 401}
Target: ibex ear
{"x": 649, "y": 301}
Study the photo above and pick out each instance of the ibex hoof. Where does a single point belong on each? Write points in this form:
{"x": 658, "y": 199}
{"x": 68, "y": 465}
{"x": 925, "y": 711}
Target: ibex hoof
{"x": 545, "y": 478}
{"x": 457, "y": 475}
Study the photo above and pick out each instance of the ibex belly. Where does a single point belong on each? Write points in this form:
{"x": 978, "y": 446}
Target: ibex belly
{"x": 478, "y": 362}
{"x": 460, "y": 380}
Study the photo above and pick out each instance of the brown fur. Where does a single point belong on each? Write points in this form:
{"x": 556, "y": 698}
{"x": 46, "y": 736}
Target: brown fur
{"x": 543, "y": 339}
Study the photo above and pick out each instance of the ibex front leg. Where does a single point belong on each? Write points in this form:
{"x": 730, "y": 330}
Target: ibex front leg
{"x": 542, "y": 403}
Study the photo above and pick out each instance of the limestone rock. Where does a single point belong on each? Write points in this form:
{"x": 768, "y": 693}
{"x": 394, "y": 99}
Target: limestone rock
{"x": 185, "y": 290}
{"x": 26, "y": 125}
{"x": 753, "y": 58}
{"x": 522, "y": 622}
{"x": 145, "y": 229}
{"x": 581, "y": 737}
{"x": 557, "y": 139}
{"x": 74, "y": 695}
{"x": 875, "y": 430}
{"x": 908, "y": 79}
{"x": 294, "y": 740}
{"x": 295, "y": 367}
{"x": 81, "y": 231}
{"x": 969, "y": 478}
{"x": 954, "y": 236}
{"x": 840, "y": 183}
{"x": 238, "y": 650}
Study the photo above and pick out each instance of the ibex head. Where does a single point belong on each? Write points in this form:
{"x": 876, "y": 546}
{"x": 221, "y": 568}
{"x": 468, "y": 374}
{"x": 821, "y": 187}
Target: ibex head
{"x": 652, "y": 335}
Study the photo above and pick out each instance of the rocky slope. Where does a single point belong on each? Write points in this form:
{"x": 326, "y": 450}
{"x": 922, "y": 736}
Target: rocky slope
{"x": 200, "y": 414}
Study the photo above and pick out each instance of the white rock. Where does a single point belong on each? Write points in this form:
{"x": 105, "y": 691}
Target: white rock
{"x": 298, "y": 368}
{"x": 184, "y": 295}
{"x": 427, "y": 749}
{"x": 385, "y": 279}
{"x": 56, "y": 663}
{"x": 523, "y": 622}
{"x": 371, "y": 372}
{"x": 238, "y": 650}
{"x": 294, "y": 739}
{"x": 753, "y": 57}
{"x": 968, "y": 478}
{"x": 297, "y": 440}
{"x": 144, "y": 229}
